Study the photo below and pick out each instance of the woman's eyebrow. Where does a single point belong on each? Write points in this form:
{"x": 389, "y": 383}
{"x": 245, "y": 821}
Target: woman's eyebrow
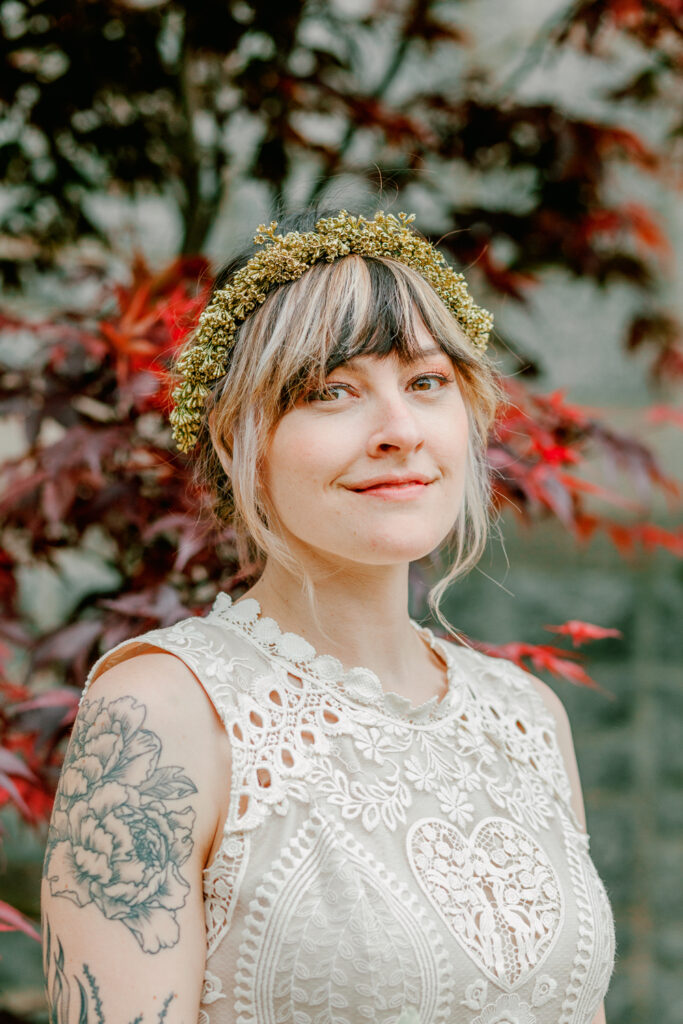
{"x": 425, "y": 353}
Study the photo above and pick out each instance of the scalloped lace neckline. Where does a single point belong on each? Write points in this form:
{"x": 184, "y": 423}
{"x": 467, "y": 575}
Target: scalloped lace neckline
{"x": 360, "y": 685}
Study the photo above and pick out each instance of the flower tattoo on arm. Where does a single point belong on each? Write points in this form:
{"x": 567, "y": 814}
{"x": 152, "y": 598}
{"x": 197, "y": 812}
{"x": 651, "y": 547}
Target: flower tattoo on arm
{"x": 114, "y": 838}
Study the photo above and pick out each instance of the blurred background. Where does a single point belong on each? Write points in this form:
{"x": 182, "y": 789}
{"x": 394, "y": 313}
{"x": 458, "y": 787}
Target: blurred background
{"x": 540, "y": 144}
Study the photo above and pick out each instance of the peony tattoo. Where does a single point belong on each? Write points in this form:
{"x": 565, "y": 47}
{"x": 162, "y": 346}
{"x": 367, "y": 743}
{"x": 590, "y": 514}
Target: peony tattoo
{"x": 113, "y": 839}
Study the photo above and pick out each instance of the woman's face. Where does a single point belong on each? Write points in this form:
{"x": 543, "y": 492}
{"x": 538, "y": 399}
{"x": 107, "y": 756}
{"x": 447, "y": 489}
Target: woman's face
{"x": 378, "y": 419}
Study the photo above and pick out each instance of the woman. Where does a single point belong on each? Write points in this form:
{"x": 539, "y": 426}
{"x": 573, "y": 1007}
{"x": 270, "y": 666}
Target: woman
{"x": 348, "y": 819}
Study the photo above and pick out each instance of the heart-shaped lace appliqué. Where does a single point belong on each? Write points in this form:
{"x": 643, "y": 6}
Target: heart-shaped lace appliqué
{"x": 496, "y": 890}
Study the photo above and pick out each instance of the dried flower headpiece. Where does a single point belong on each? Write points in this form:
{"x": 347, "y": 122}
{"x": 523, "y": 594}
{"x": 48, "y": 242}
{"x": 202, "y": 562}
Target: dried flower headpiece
{"x": 287, "y": 258}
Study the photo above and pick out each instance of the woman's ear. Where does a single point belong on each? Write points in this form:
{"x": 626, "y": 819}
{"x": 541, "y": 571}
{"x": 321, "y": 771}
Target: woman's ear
{"x": 221, "y": 450}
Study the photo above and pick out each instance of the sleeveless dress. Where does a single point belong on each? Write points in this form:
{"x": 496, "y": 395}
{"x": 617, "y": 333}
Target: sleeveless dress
{"x": 382, "y": 862}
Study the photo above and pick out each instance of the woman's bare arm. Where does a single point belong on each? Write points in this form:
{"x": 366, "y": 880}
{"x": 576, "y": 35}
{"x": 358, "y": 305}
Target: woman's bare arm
{"x": 135, "y": 815}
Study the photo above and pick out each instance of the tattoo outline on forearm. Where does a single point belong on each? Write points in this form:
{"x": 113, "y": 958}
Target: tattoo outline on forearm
{"x": 60, "y": 993}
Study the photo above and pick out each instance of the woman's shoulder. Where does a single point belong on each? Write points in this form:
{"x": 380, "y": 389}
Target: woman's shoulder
{"x": 508, "y": 682}
{"x": 181, "y": 675}
{"x": 171, "y": 659}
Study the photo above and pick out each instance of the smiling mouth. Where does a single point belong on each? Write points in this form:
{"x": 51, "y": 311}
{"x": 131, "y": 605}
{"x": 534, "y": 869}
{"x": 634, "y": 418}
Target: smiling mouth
{"x": 393, "y": 486}
{"x": 394, "y": 491}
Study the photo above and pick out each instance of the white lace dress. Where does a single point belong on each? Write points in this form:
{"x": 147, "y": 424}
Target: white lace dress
{"x": 381, "y": 859}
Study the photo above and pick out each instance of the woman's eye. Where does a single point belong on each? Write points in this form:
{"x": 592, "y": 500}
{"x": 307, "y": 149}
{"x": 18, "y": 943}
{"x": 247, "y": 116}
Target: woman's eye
{"x": 325, "y": 394}
{"x": 331, "y": 391}
{"x": 439, "y": 377}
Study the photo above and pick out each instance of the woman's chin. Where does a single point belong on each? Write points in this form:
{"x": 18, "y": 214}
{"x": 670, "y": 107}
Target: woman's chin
{"x": 397, "y": 546}
{"x": 387, "y": 554}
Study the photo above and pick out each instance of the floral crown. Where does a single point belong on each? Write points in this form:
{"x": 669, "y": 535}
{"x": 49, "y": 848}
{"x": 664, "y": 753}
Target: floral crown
{"x": 287, "y": 258}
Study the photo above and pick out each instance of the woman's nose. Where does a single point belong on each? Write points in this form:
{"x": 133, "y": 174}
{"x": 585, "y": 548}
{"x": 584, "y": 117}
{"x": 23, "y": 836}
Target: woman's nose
{"x": 395, "y": 423}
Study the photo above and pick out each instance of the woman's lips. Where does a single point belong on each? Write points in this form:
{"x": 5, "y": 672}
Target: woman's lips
{"x": 395, "y": 491}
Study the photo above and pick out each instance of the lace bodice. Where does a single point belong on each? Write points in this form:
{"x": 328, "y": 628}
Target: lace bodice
{"x": 382, "y": 861}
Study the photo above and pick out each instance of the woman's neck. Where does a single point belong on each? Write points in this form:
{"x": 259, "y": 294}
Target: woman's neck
{"x": 363, "y": 617}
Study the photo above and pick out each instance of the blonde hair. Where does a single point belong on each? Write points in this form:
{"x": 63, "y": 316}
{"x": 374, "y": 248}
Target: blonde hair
{"x": 289, "y": 345}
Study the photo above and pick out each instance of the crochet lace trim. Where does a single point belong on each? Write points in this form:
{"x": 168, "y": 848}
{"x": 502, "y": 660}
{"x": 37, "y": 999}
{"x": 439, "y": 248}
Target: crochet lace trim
{"x": 359, "y": 685}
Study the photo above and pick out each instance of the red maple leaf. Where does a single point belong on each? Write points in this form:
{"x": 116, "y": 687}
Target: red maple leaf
{"x": 582, "y": 632}
{"x": 12, "y": 920}
{"x": 544, "y": 657}
{"x": 555, "y": 453}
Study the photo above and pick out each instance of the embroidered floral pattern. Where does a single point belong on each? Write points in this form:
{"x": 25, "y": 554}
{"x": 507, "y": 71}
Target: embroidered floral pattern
{"x": 309, "y": 955}
{"x": 507, "y": 1009}
{"x": 496, "y": 891}
{"x": 544, "y": 990}
{"x": 475, "y": 994}
{"x": 221, "y": 883}
{"x": 463, "y": 756}
{"x": 382, "y": 802}
{"x": 480, "y": 730}
{"x": 213, "y": 988}
{"x": 358, "y": 684}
